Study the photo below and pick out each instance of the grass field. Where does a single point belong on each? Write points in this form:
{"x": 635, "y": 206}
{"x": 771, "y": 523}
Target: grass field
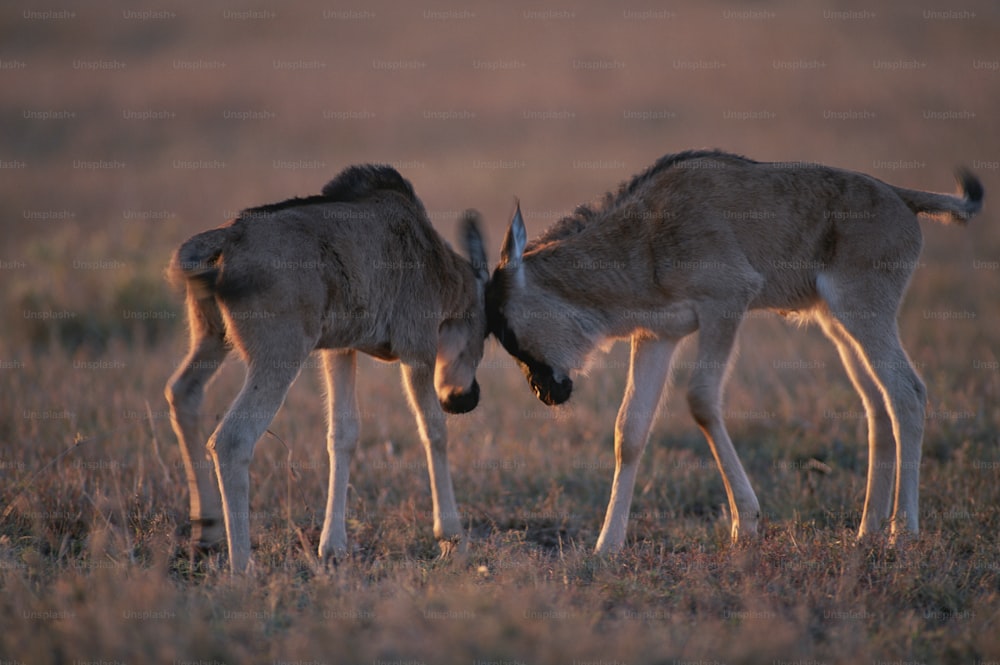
{"x": 125, "y": 131}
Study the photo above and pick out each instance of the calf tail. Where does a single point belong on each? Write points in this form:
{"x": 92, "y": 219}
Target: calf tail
{"x": 947, "y": 207}
{"x": 196, "y": 263}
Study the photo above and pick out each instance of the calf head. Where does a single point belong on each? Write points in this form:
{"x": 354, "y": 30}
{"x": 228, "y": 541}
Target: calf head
{"x": 461, "y": 337}
{"x": 533, "y": 325}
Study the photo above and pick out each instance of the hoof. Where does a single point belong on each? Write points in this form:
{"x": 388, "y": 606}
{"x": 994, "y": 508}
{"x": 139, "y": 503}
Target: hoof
{"x": 200, "y": 550}
{"x": 453, "y": 548}
{"x": 333, "y": 559}
{"x": 208, "y": 533}
{"x": 902, "y": 538}
{"x": 606, "y": 549}
{"x": 205, "y": 538}
{"x": 745, "y": 532}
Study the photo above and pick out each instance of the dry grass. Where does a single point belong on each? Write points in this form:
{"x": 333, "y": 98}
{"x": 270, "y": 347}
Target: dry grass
{"x": 93, "y": 567}
{"x": 93, "y": 562}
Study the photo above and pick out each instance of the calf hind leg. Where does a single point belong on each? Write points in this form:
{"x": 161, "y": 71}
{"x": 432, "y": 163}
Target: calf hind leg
{"x": 867, "y": 316}
{"x": 904, "y": 397}
{"x": 233, "y": 442}
{"x": 881, "y": 441}
{"x": 185, "y": 392}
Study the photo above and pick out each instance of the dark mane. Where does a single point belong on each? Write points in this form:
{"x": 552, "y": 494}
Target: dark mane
{"x": 577, "y": 221}
{"x": 358, "y": 182}
{"x": 352, "y": 184}
{"x": 669, "y": 161}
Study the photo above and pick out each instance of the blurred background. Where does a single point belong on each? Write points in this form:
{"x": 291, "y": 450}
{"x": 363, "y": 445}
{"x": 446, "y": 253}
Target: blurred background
{"x": 127, "y": 128}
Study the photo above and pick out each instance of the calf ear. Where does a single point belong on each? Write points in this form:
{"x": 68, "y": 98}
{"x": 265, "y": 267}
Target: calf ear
{"x": 513, "y": 244}
{"x": 475, "y": 247}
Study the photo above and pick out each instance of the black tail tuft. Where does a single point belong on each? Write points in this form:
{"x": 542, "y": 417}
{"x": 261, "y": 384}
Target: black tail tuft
{"x": 947, "y": 208}
{"x": 358, "y": 182}
{"x": 972, "y": 189}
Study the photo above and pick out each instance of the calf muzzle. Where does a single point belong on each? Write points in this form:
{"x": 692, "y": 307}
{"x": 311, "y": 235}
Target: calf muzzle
{"x": 462, "y": 402}
{"x": 547, "y": 388}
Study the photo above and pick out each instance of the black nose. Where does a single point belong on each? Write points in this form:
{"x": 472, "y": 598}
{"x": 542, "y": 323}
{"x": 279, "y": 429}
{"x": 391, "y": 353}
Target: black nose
{"x": 547, "y": 389}
{"x": 462, "y": 402}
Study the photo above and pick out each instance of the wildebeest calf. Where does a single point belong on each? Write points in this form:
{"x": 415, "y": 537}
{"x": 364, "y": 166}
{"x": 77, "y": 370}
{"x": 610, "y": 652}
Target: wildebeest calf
{"x": 692, "y": 244}
{"x": 357, "y": 268}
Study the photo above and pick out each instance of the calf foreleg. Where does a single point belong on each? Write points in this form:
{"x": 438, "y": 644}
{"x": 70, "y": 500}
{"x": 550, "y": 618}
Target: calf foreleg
{"x": 343, "y": 420}
{"x": 419, "y": 380}
{"x": 716, "y": 337}
{"x": 646, "y": 377}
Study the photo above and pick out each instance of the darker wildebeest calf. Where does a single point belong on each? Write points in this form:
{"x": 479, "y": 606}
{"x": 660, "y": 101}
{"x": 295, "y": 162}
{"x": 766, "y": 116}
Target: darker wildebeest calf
{"x": 357, "y": 268}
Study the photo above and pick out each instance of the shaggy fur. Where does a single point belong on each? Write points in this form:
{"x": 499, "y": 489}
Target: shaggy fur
{"x": 358, "y": 268}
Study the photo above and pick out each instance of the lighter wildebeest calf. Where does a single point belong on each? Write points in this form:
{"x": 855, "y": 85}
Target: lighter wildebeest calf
{"x": 692, "y": 244}
{"x": 358, "y": 268}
